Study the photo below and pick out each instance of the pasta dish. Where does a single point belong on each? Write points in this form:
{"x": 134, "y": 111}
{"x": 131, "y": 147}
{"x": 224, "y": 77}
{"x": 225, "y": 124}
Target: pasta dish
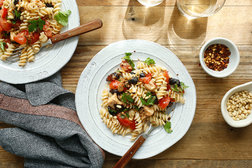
{"x": 29, "y": 24}
{"x": 137, "y": 95}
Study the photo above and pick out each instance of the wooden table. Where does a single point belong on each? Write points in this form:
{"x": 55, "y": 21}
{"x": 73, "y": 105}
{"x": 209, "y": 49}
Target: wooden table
{"x": 210, "y": 142}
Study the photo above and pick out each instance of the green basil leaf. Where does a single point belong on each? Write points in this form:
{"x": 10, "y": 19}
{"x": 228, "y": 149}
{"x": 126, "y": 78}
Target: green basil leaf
{"x": 126, "y": 98}
{"x": 143, "y": 101}
{"x": 151, "y": 100}
{"x": 136, "y": 108}
{"x": 122, "y": 116}
{"x": 128, "y": 54}
{"x": 17, "y": 14}
{"x": 128, "y": 59}
{"x": 2, "y": 45}
{"x": 62, "y": 17}
{"x": 149, "y": 61}
{"x": 111, "y": 110}
{"x": 148, "y": 93}
{"x": 183, "y": 86}
{"x": 35, "y": 25}
{"x": 167, "y": 127}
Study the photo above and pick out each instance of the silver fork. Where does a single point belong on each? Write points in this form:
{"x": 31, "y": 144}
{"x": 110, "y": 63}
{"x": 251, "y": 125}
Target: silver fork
{"x": 130, "y": 153}
{"x": 93, "y": 25}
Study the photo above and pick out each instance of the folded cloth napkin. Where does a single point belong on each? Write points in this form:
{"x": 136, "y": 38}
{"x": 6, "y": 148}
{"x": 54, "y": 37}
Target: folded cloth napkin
{"x": 49, "y": 133}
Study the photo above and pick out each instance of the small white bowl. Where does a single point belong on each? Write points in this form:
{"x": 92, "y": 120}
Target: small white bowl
{"x": 226, "y": 116}
{"x": 234, "y": 58}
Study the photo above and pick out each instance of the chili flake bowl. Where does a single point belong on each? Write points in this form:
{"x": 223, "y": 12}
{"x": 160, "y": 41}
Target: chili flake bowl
{"x": 234, "y": 58}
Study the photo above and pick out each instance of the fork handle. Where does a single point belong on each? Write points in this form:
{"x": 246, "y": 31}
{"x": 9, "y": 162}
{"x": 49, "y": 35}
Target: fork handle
{"x": 130, "y": 153}
{"x": 93, "y": 25}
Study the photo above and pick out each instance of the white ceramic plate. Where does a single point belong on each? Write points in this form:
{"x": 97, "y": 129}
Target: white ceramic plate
{"x": 49, "y": 60}
{"x": 92, "y": 82}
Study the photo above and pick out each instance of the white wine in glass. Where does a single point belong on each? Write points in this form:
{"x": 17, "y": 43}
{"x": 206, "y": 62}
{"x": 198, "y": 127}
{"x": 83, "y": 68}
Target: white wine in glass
{"x": 199, "y": 8}
{"x": 150, "y": 3}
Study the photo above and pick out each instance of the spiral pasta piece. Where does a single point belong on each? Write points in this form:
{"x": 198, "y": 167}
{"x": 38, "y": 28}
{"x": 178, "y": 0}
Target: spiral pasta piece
{"x": 23, "y": 58}
{"x": 105, "y": 95}
{"x": 8, "y": 51}
{"x": 30, "y": 54}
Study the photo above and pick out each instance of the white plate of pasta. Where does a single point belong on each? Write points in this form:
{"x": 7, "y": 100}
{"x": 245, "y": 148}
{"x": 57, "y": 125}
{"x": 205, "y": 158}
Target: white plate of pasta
{"x": 29, "y": 24}
{"x": 129, "y": 83}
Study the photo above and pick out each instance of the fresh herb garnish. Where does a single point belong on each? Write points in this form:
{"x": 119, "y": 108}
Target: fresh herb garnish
{"x": 129, "y": 60}
{"x": 136, "y": 108}
{"x": 167, "y": 127}
{"x": 149, "y": 61}
{"x": 36, "y": 25}
{"x": 178, "y": 89}
{"x": 143, "y": 101}
{"x": 17, "y": 14}
{"x": 122, "y": 116}
{"x": 148, "y": 93}
{"x": 126, "y": 98}
{"x": 127, "y": 114}
{"x": 62, "y": 17}
{"x": 2, "y": 45}
{"x": 183, "y": 86}
{"x": 124, "y": 110}
{"x": 112, "y": 111}
{"x": 175, "y": 88}
{"x": 150, "y": 101}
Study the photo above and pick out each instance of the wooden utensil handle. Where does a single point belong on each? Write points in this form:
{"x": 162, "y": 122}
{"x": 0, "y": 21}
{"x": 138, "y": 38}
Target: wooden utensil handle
{"x": 93, "y": 25}
{"x": 130, "y": 153}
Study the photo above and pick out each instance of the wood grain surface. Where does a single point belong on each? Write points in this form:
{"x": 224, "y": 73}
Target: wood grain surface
{"x": 210, "y": 142}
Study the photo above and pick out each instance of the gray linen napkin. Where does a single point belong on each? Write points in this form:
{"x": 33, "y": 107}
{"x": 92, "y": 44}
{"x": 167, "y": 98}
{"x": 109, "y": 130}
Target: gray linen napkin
{"x": 49, "y": 133}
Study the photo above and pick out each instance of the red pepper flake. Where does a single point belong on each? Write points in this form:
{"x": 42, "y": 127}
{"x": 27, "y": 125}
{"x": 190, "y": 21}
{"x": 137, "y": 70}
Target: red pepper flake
{"x": 216, "y": 57}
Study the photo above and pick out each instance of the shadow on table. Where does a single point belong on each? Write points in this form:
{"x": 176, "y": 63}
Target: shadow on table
{"x": 142, "y": 22}
{"x": 186, "y": 33}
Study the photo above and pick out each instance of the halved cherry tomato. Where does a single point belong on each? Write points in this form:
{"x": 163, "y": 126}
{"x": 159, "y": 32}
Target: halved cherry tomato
{"x": 7, "y": 41}
{"x": 5, "y": 25}
{"x": 21, "y": 37}
{"x": 4, "y": 12}
{"x": 17, "y": 24}
{"x": 125, "y": 121}
{"x": 146, "y": 79}
{"x": 34, "y": 37}
{"x": 125, "y": 66}
{"x": 114, "y": 84}
{"x": 47, "y": 29}
{"x": 168, "y": 86}
{"x": 166, "y": 76}
{"x": 1, "y": 3}
{"x": 164, "y": 102}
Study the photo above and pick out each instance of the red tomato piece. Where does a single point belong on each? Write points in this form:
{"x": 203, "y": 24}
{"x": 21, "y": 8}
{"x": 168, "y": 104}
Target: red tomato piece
{"x": 166, "y": 76}
{"x": 125, "y": 121}
{"x": 5, "y": 25}
{"x": 7, "y": 41}
{"x": 114, "y": 84}
{"x": 1, "y": 29}
{"x": 21, "y": 37}
{"x": 48, "y": 33}
{"x": 146, "y": 79}
{"x": 4, "y": 12}
{"x": 34, "y": 37}
{"x": 164, "y": 102}
{"x": 168, "y": 87}
{"x": 126, "y": 66}
{"x": 47, "y": 29}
